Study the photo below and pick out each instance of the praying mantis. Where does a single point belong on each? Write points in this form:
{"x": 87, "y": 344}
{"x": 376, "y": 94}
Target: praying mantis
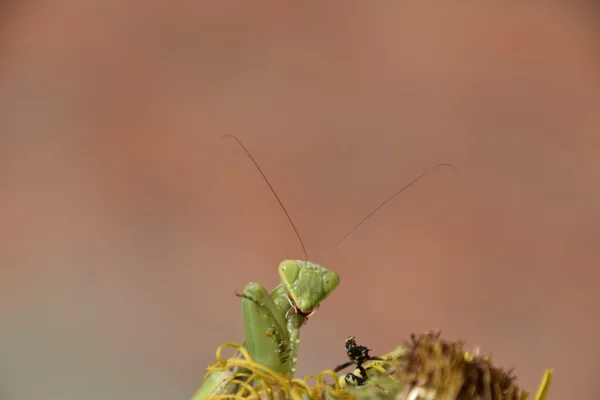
{"x": 272, "y": 320}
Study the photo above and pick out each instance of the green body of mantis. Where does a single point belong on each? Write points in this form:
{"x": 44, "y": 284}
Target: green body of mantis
{"x": 272, "y": 320}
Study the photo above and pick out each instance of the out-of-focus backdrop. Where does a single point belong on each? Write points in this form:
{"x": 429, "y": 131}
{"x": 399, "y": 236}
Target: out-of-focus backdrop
{"x": 127, "y": 223}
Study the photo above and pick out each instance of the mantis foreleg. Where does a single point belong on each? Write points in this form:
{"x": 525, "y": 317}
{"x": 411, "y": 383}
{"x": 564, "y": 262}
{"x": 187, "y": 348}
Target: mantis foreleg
{"x": 267, "y": 331}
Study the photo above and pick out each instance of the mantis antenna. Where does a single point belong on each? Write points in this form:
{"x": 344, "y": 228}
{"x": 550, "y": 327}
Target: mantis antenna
{"x": 272, "y": 190}
{"x": 383, "y": 204}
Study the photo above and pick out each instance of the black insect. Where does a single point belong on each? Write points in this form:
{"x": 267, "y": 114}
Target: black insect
{"x": 357, "y": 355}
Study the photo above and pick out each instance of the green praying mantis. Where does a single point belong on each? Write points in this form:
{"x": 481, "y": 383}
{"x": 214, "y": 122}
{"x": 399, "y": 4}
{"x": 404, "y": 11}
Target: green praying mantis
{"x": 272, "y": 320}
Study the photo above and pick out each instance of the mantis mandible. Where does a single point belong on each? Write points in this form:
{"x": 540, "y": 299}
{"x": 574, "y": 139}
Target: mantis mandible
{"x": 272, "y": 320}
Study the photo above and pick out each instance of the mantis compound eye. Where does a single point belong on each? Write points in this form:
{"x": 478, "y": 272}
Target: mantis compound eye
{"x": 330, "y": 281}
{"x": 288, "y": 271}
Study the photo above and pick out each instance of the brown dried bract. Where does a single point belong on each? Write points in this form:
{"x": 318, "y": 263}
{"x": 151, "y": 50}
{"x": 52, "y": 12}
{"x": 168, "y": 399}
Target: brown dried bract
{"x": 436, "y": 366}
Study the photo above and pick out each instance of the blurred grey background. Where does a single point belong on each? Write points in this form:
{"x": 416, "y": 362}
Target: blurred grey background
{"x": 127, "y": 224}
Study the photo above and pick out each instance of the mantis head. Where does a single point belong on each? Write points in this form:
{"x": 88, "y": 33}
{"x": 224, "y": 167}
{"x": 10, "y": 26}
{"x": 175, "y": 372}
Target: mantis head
{"x": 307, "y": 284}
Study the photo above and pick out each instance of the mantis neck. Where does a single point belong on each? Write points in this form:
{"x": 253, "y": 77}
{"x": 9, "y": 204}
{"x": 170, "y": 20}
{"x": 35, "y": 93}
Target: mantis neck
{"x": 280, "y": 296}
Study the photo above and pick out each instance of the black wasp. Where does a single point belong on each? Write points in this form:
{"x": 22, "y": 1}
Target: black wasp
{"x": 358, "y": 355}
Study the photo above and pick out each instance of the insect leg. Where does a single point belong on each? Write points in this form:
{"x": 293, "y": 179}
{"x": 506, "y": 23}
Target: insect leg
{"x": 261, "y": 315}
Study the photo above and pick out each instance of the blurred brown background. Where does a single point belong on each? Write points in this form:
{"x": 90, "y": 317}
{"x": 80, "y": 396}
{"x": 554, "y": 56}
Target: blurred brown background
{"x": 126, "y": 223}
